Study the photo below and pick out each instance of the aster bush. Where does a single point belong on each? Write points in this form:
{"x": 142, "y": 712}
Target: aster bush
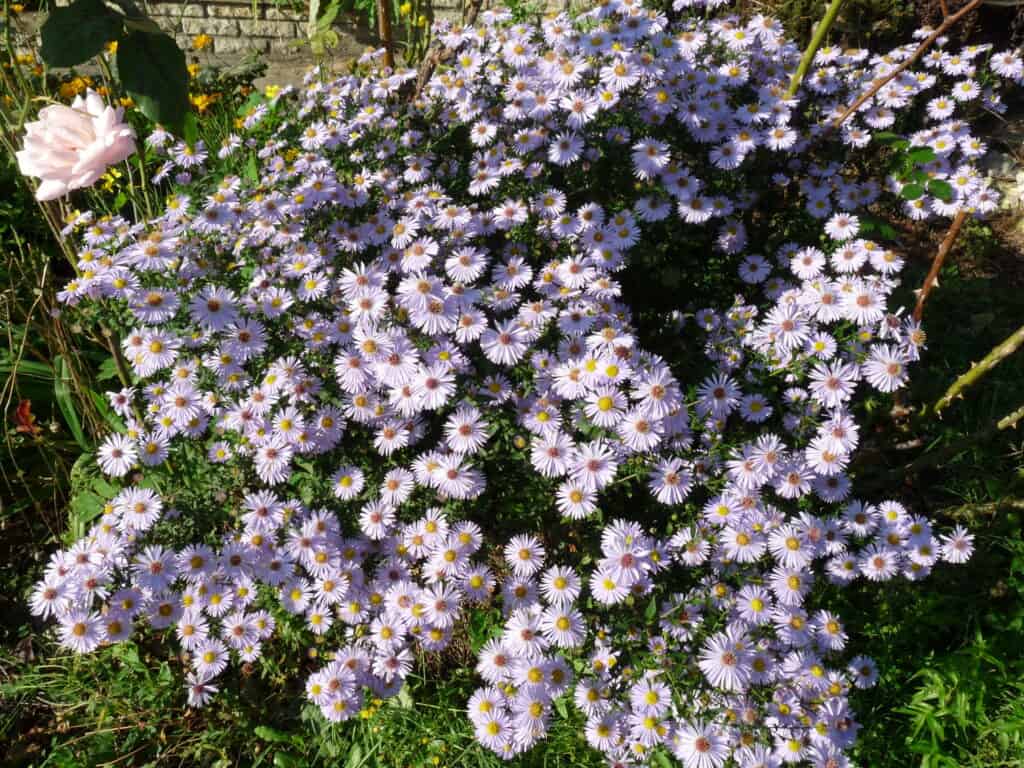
{"x": 605, "y": 270}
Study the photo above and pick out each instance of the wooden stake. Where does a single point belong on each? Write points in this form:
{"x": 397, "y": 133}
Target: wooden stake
{"x": 384, "y": 32}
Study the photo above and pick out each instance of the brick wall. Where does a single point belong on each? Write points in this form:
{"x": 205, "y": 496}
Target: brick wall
{"x": 240, "y": 26}
{"x": 237, "y": 27}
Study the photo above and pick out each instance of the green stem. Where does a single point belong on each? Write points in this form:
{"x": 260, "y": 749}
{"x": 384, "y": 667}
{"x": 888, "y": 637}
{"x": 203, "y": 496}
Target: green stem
{"x": 820, "y": 31}
{"x": 1011, "y": 420}
{"x": 120, "y": 364}
{"x": 999, "y": 353}
{"x": 974, "y": 512}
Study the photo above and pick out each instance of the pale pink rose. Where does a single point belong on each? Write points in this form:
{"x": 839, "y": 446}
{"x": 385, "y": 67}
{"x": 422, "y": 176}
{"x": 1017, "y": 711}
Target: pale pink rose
{"x": 71, "y": 147}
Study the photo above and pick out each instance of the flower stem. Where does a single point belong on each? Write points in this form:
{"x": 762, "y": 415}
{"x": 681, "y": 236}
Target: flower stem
{"x": 820, "y": 31}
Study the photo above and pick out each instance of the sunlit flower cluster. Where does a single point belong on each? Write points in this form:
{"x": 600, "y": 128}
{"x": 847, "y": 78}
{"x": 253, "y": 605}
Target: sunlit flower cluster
{"x": 406, "y": 282}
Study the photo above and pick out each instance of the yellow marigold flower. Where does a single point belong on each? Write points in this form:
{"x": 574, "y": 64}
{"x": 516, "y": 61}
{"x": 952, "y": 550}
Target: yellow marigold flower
{"x": 17, "y": 7}
{"x": 199, "y": 42}
{"x": 112, "y": 47}
{"x": 25, "y": 58}
{"x": 271, "y": 91}
{"x": 109, "y": 179}
{"x": 126, "y": 102}
{"x": 405, "y": 9}
{"x": 421, "y": 21}
{"x": 203, "y": 101}
{"x": 193, "y": 70}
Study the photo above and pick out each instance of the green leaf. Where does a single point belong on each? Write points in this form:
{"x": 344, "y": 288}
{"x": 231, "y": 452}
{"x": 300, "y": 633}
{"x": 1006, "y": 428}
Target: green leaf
{"x": 886, "y": 137}
{"x": 107, "y": 370}
{"x": 252, "y": 172}
{"x": 921, "y": 154}
{"x": 255, "y": 99}
{"x": 190, "y": 130}
{"x": 893, "y": 140}
{"x": 560, "y": 707}
{"x": 286, "y": 760}
{"x": 152, "y": 70}
{"x": 404, "y": 698}
{"x": 89, "y": 493}
{"x": 77, "y": 32}
{"x": 267, "y": 733}
{"x": 84, "y": 508}
{"x": 62, "y": 394}
{"x": 329, "y": 16}
{"x": 652, "y": 610}
{"x": 28, "y": 368}
{"x": 941, "y": 189}
{"x": 912, "y": 191}
{"x": 355, "y": 757}
{"x": 116, "y": 422}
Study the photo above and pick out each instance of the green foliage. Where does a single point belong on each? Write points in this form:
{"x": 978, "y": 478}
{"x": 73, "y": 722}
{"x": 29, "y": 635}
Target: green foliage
{"x": 319, "y": 32}
{"x": 152, "y": 70}
{"x": 75, "y": 33}
{"x": 150, "y": 64}
{"x": 525, "y": 10}
{"x": 62, "y": 394}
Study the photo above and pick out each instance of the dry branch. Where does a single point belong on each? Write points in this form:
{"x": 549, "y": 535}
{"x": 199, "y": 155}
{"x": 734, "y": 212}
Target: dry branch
{"x": 947, "y": 22}
{"x": 937, "y": 262}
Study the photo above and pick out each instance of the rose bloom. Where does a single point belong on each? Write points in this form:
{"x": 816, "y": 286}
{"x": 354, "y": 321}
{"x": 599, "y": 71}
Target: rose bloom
{"x": 71, "y": 147}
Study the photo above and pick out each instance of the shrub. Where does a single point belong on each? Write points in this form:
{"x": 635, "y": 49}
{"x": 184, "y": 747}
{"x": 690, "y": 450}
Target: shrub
{"x": 406, "y": 337}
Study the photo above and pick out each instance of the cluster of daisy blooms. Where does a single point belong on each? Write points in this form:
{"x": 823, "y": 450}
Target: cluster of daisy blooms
{"x": 406, "y": 276}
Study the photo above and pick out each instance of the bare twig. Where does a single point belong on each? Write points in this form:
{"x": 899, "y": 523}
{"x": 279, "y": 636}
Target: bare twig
{"x": 937, "y": 262}
{"x": 443, "y": 54}
{"x": 947, "y": 22}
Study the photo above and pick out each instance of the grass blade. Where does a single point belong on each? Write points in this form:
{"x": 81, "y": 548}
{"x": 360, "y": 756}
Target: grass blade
{"x": 62, "y": 394}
